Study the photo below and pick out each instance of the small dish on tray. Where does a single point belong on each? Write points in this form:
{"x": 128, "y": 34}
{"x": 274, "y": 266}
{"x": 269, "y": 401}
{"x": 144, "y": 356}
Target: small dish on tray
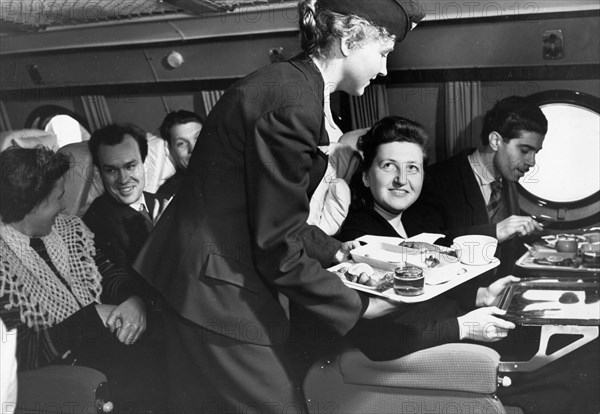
{"x": 380, "y": 280}
{"x": 437, "y": 267}
{"x": 376, "y": 256}
{"x": 551, "y": 239}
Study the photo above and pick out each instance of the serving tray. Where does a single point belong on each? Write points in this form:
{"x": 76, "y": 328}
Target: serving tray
{"x": 377, "y": 245}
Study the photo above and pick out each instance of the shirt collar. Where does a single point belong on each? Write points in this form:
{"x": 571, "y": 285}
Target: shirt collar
{"x": 141, "y": 201}
{"x": 482, "y": 174}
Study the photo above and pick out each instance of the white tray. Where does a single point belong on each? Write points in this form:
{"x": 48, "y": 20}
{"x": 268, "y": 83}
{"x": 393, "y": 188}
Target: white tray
{"x": 467, "y": 272}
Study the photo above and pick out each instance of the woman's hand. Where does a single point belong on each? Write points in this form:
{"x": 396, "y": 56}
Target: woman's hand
{"x": 490, "y": 296}
{"x": 343, "y": 255}
{"x": 104, "y": 312}
{"x": 482, "y": 325}
{"x": 128, "y": 320}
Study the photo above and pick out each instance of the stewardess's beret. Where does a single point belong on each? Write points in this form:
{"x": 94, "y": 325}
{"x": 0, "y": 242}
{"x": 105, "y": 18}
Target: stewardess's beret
{"x": 397, "y": 16}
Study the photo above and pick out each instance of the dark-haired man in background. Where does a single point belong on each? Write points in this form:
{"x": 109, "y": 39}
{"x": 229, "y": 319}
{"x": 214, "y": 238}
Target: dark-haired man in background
{"x": 475, "y": 192}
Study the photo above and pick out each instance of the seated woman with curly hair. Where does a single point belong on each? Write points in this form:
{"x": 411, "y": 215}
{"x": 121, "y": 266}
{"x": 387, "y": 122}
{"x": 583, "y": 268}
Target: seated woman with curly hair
{"x": 394, "y": 154}
{"x": 68, "y": 302}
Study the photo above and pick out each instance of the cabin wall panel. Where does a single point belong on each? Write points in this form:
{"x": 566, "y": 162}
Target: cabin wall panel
{"x": 148, "y": 111}
{"x": 18, "y": 111}
{"x": 77, "y": 69}
{"x": 421, "y": 103}
{"x": 447, "y": 45}
{"x": 218, "y": 59}
{"x": 434, "y": 45}
{"x": 221, "y": 59}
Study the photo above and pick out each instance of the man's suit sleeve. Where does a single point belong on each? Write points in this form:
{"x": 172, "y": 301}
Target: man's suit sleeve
{"x": 319, "y": 245}
{"x": 278, "y": 161}
{"x": 107, "y": 236}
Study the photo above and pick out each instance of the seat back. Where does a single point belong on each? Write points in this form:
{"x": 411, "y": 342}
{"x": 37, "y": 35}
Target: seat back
{"x": 330, "y": 202}
{"x": 159, "y": 165}
{"x": 82, "y": 182}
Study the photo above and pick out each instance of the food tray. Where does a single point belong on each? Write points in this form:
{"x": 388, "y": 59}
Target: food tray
{"x": 542, "y": 253}
{"x": 379, "y": 247}
{"x": 431, "y": 291}
{"x": 389, "y": 256}
{"x": 552, "y": 302}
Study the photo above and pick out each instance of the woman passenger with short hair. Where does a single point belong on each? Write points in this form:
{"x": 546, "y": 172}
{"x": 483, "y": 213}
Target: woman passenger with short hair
{"x": 68, "y": 303}
{"x": 394, "y": 155}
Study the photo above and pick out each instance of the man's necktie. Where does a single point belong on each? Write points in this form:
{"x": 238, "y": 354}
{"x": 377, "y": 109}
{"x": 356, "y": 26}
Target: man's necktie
{"x": 495, "y": 207}
{"x": 144, "y": 211}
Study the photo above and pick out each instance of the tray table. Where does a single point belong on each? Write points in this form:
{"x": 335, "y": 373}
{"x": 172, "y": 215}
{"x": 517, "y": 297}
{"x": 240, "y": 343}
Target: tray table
{"x": 560, "y": 308}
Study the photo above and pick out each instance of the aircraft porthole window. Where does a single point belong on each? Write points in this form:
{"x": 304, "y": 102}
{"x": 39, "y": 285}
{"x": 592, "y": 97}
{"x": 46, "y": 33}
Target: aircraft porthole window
{"x": 67, "y": 130}
{"x": 564, "y": 186}
{"x": 65, "y": 124}
{"x": 552, "y": 180}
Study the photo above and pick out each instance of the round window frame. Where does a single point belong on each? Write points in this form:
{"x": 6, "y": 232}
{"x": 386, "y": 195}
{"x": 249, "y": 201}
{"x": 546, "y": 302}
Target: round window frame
{"x": 562, "y": 215}
{"x": 40, "y": 116}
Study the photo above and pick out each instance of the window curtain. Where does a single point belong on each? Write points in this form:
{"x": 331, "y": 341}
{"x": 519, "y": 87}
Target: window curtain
{"x": 96, "y": 111}
{"x": 210, "y": 98}
{"x": 4, "y": 119}
{"x": 365, "y": 110}
{"x": 463, "y": 113}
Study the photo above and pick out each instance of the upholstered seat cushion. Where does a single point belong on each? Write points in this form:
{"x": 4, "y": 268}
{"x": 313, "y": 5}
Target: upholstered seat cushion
{"x": 452, "y": 367}
{"x": 60, "y": 389}
{"x": 330, "y": 202}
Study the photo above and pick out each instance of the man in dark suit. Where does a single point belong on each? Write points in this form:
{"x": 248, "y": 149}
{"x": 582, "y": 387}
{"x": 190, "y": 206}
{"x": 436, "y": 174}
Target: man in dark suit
{"x": 458, "y": 198}
{"x": 121, "y": 220}
{"x": 475, "y": 192}
{"x": 122, "y": 217}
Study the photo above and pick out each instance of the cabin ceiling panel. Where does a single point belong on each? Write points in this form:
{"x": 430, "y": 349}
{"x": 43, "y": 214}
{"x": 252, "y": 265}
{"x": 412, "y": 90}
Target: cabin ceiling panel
{"x": 35, "y": 15}
{"x": 20, "y": 16}
{"x": 31, "y": 15}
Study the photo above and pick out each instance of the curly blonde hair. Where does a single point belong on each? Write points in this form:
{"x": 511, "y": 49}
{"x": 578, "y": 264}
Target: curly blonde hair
{"x": 320, "y": 28}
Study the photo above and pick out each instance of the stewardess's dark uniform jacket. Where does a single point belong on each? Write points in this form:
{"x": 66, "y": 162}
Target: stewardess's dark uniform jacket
{"x": 233, "y": 246}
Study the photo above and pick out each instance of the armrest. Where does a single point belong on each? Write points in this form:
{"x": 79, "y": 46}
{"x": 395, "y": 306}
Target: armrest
{"x": 63, "y": 388}
{"x": 451, "y": 367}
